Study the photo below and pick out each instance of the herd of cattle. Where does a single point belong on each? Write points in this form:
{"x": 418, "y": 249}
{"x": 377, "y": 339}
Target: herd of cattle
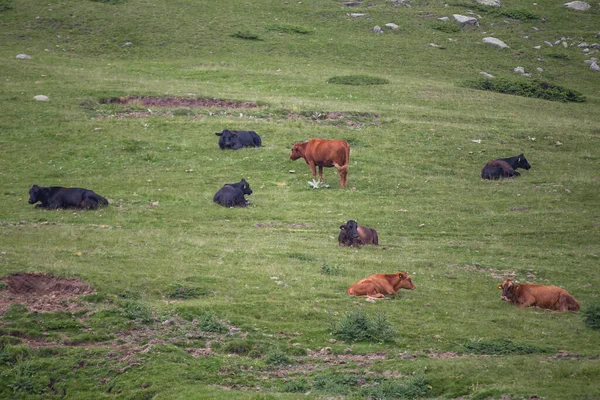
{"x": 323, "y": 153}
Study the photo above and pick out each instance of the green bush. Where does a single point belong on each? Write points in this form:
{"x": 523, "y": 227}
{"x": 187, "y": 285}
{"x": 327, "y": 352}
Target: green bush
{"x": 208, "y": 322}
{"x": 357, "y": 80}
{"x": 534, "y": 88}
{"x": 503, "y": 347}
{"x": 409, "y": 388}
{"x": 521, "y": 14}
{"x": 137, "y": 312}
{"x": 591, "y": 315}
{"x": 277, "y": 357}
{"x": 356, "y": 326}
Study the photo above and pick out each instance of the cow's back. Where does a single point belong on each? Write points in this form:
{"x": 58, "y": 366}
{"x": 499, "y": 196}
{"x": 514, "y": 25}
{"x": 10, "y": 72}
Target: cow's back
{"x": 328, "y": 152}
{"x": 551, "y": 297}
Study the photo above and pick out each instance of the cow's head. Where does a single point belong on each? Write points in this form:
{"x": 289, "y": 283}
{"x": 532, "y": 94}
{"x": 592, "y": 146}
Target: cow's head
{"x": 351, "y": 229}
{"x": 227, "y": 139}
{"x": 405, "y": 281}
{"x": 34, "y": 194}
{"x": 522, "y": 162}
{"x": 509, "y": 290}
{"x": 297, "y": 151}
{"x": 245, "y": 187}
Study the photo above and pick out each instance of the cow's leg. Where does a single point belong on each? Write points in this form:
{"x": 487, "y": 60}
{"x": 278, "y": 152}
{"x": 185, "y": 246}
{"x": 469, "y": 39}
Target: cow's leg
{"x": 313, "y": 169}
{"x": 321, "y": 173}
{"x": 343, "y": 172}
{"x": 528, "y": 301}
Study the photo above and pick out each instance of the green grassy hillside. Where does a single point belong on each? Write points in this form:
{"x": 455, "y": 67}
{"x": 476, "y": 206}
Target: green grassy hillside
{"x": 194, "y": 300}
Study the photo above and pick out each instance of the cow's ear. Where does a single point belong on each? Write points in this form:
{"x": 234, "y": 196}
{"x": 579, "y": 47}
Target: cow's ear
{"x": 342, "y": 227}
{"x": 499, "y": 286}
{"x": 518, "y": 287}
{"x": 219, "y": 133}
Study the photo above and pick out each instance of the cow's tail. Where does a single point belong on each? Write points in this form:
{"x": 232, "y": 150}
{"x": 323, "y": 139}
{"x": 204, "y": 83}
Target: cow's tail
{"x": 257, "y": 141}
{"x": 376, "y": 238}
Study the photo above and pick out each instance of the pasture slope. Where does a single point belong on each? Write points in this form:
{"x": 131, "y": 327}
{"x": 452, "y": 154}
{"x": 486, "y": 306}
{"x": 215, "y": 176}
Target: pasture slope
{"x": 165, "y": 295}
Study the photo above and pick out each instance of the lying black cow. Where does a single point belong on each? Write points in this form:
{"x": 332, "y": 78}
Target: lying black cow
{"x": 232, "y": 194}
{"x": 504, "y": 167}
{"x": 54, "y": 197}
{"x": 237, "y": 139}
{"x": 352, "y": 234}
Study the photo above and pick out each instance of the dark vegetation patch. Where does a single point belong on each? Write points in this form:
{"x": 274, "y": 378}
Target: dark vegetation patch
{"x": 521, "y": 14}
{"x": 534, "y": 88}
{"x": 109, "y": 1}
{"x": 182, "y": 291}
{"x": 446, "y": 26}
{"x": 6, "y": 5}
{"x": 246, "y": 35}
{"x": 357, "y": 80}
{"x": 41, "y": 292}
{"x": 591, "y": 315}
{"x": 357, "y": 326}
{"x": 331, "y": 270}
{"x": 286, "y": 28}
{"x": 175, "y": 102}
{"x": 504, "y": 347}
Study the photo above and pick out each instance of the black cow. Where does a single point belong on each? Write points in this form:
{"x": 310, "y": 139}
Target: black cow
{"x": 237, "y": 139}
{"x": 54, "y": 197}
{"x": 232, "y": 194}
{"x": 504, "y": 167}
{"x": 352, "y": 234}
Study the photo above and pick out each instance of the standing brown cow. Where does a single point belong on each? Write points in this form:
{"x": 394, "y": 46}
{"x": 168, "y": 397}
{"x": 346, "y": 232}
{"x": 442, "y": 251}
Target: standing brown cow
{"x": 324, "y": 153}
{"x": 530, "y": 294}
{"x": 378, "y": 285}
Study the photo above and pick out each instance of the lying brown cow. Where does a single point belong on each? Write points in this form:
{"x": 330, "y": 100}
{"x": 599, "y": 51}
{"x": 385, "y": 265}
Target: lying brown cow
{"x": 530, "y": 294}
{"x": 324, "y": 153}
{"x": 378, "y": 285}
{"x": 352, "y": 234}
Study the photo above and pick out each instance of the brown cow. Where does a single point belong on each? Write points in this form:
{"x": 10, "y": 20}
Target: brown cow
{"x": 352, "y": 234}
{"x": 378, "y": 285}
{"x": 530, "y": 294}
{"x": 324, "y": 153}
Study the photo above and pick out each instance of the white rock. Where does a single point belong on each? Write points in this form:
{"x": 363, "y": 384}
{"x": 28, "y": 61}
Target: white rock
{"x": 535, "y": 29}
{"x": 465, "y": 20}
{"x": 586, "y": 50}
{"x": 519, "y": 70}
{"x": 557, "y": 42}
{"x": 41, "y": 97}
{"x": 392, "y": 26}
{"x": 537, "y": 47}
{"x": 495, "y": 42}
{"x": 444, "y": 19}
{"x": 356, "y": 15}
{"x": 377, "y": 29}
{"x": 538, "y": 69}
{"x": 492, "y": 3}
{"x": 582, "y": 45}
{"x": 595, "y": 46}
{"x": 565, "y": 45}
{"x": 595, "y": 67}
{"x": 547, "y": 43}
{"x": 578, "y": 5}
{"x": 23, "y": 57}
{"x": 434, "y": 45}
{"x": 486, "y": 75}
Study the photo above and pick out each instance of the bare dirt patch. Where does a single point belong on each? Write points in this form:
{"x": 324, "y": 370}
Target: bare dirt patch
{"x": 177, "y": 102}
{"x": 41, "y": 292}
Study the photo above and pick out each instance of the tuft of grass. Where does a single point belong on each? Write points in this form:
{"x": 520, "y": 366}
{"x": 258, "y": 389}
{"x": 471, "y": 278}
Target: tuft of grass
{"x": 183, "y": 291}
{"x": 276, "y": 356}
{"x": 357, "y": 326}
{"x": 6, "y": 5}
{"x": 357, "y": 80}
{"x": 522, "y": 14}
{"x": 591, "y": 315}
{"x": 208, "y": 322}
{"x": 238, "y": 346}
{"x": 331, "y": 270}
{"x": 446, "y": 27}
{"x": 246, "y": 35}
{"x": 534, "y": 88}
{"x": 503, "y": 347}
{"x": 409, "y": 388}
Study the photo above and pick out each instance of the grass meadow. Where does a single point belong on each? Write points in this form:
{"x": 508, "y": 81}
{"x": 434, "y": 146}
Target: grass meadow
{"x": 195, "y": 300}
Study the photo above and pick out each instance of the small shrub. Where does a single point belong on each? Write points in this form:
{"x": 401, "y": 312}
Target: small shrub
{"x": 410, "y": 388}
{"x": 446, "y": 27}
{"x": 591, "y": 315}
{"x": 208, "y": 322}
{"x": 357, "y": 80}
{"x": 246, "y": 35}
{"x": 239, "y": 347}
{"x": 356, "y": 326}
{"x": 331, "y": 270}
{"x": 299, "y": 386}
{"x": 6, "y": 5}
{"x": 138, "y": 312}
{"x": 182, "y": 291}
{"x": 535, "y": 88}
{"x": 521, "y": 14}
{"x": 503, "y": 347}
{"x": 286, "y": 28}
{"x": 277, "y": 357}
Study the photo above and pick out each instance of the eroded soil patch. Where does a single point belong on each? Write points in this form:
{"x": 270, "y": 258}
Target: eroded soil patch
{"x": 42, "y": 293}
{"x": 176, "y": 102}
